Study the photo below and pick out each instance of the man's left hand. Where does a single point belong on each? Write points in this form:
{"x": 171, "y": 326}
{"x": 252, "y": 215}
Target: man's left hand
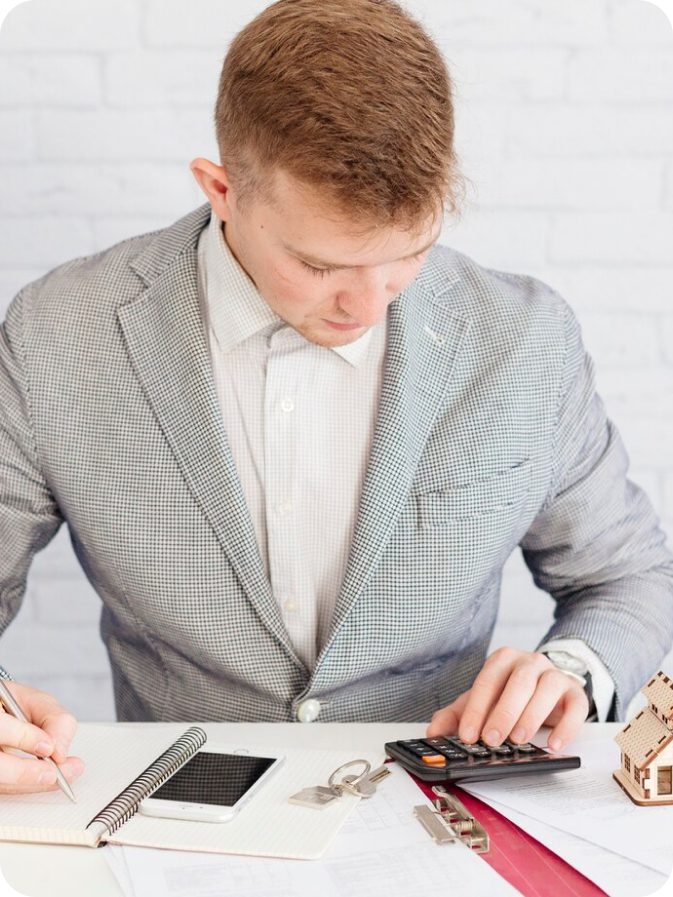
{"x": 514, "y": 694}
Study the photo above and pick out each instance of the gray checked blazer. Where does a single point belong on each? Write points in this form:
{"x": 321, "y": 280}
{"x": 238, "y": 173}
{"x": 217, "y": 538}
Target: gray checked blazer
{"x": 489, "y": 436}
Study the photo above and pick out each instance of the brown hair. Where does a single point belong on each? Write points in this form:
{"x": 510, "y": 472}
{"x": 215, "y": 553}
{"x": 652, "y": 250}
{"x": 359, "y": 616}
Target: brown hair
{"x": 349, "y": 96}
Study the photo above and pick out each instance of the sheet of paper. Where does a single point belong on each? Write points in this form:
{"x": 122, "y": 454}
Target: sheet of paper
{"x": 382, "y": 851}
{"x": 116, "y": 860}
{"x": 616, "y": 875}
{"x": 588, "y": 803}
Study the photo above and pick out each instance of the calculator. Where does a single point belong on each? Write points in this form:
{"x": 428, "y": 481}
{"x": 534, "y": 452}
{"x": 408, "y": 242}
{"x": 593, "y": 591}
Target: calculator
{"x": 450, "y": 759}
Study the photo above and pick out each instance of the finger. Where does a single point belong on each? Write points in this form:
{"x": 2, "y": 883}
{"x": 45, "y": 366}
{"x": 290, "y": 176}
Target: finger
{"x": 575, "y": 711}
{"x": 45, "y": 711}
{"x": 516, "y": 694}
{"x": 551, "y": 688}
{"x": 61, "y": 726}
{"x": 446, "y": 720}
{"x": 24, "y": 736}
{"x": 486, "y": 690}
{"x": 22, "y": 774}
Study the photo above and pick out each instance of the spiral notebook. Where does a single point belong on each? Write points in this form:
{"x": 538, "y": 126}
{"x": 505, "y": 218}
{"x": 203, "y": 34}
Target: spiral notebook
{"x": 50, "y": 817}
{"x": 126, "y": 762}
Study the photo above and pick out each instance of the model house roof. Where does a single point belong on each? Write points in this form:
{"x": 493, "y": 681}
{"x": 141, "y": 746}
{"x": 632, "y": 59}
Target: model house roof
{"x": 644, "y": 738}
{"x": 659, "y": 691}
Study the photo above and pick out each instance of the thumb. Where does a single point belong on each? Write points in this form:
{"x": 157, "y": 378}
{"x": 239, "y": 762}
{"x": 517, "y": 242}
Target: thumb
{"x": 445, "y": 721}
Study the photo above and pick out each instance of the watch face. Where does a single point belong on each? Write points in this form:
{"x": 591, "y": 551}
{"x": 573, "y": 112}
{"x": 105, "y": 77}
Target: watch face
{"x": 567, "y": 662}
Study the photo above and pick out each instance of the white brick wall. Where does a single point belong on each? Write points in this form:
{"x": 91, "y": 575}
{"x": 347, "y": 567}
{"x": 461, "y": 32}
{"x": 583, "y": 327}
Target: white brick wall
{"x": 565, "y": 128}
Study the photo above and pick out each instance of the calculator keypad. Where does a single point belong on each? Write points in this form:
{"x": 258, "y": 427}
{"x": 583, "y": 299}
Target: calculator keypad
{"x": 451, "y": 751}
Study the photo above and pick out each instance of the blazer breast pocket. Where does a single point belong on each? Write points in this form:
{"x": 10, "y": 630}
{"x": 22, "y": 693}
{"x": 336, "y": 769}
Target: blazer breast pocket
{"x": 471, "y": 501}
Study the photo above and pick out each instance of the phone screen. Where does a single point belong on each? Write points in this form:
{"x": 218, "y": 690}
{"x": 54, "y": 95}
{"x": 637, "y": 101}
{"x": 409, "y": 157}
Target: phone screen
{"x": 219, "y": 779}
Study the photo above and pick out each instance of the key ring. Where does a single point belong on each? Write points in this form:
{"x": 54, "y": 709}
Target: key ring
{"x": 352, "y": 785}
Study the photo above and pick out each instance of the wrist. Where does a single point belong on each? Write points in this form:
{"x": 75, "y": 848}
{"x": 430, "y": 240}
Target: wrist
{"x": 576, "y": 669}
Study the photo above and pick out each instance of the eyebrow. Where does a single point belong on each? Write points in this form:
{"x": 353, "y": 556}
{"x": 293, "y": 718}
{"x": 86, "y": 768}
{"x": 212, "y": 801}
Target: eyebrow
{"x": 322, "y": 263}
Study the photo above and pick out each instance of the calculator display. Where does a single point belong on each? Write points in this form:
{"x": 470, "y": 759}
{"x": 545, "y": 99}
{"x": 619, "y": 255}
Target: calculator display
{"x": 214, "y": 778}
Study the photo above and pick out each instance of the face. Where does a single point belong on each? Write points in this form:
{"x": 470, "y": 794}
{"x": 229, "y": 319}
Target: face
{"x": 311, "y": 267}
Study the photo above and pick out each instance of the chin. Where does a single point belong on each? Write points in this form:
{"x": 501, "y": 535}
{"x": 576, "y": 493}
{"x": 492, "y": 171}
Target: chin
{"x": 330, "y": 340}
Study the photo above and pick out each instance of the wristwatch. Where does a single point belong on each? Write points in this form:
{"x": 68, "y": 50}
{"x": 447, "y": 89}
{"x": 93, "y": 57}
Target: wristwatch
{"x": 573, "y": 666}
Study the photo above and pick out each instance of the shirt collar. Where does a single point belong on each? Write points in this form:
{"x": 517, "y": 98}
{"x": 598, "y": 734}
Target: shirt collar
{"x": 245, "y": 312}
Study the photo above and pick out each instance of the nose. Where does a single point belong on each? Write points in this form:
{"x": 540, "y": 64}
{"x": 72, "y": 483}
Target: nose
{"x": 368, "y": 297}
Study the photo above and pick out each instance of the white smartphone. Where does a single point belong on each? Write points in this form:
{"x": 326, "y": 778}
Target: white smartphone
{"x": 212, "y": 786}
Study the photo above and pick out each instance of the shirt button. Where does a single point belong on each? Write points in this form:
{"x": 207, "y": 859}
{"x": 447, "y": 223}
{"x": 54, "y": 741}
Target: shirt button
{"x": 284, "y": 507}
{"x": 290, "y": 606}
{"x": 287, "y": 405}
{"x": 308, "y": 710}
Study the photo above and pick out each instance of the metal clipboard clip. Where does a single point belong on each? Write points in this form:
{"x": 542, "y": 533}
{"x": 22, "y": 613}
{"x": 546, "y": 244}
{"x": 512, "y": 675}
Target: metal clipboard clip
{"x": 450, "y": 821}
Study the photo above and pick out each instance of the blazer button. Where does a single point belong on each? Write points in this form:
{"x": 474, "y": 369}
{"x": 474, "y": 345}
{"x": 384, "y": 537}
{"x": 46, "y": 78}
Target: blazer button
{"x": 308, "y": 710}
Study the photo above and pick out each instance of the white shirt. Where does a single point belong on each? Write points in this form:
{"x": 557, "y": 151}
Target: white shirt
{"x": 300, "y": 422}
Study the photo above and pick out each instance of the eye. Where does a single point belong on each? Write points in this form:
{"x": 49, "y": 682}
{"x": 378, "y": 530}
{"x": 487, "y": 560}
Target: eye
{"x": 318, "y": 272}
{"x": 321, "y": 272}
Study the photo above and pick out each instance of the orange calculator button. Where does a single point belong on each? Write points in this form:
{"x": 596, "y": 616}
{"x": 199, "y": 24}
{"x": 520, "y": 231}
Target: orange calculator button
{"x": 434, "y": 760}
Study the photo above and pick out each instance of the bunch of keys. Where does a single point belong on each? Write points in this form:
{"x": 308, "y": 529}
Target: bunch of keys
{"x": 362, "y": 785}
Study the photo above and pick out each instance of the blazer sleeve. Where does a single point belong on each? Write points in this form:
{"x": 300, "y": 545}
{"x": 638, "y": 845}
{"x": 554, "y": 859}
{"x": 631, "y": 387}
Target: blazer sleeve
{"x": 596, "y": 545}
{"x": 29, "y": 516}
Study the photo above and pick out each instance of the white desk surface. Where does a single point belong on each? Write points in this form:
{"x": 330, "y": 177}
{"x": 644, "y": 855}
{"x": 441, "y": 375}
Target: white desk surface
{"x": 44, "y": 870}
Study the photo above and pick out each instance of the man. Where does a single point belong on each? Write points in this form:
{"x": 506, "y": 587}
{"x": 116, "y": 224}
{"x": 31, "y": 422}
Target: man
{"x": 295, "y": 441}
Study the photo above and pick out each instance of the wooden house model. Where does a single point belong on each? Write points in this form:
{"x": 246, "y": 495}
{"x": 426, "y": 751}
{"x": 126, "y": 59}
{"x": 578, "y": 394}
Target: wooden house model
{"x": 646, "y": 744}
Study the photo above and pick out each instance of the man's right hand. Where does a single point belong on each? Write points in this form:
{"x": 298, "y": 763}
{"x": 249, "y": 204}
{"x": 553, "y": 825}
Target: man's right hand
{"x": 48, "y": 734}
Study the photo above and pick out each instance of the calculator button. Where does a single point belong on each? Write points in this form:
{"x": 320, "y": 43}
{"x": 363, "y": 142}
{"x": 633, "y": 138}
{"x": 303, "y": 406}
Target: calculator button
{"x": 527, "y": 748}
{"x": 457, "y": 743}
{"x": 438, "y": 742}
{"x": 474, "y": 750}
{"x": 434, "y": 760}
{"x": 418, "y": 748}
{"x": 454, "y": 756}
{"x": 502, "y": 749}
{"x": 443, "y": 746}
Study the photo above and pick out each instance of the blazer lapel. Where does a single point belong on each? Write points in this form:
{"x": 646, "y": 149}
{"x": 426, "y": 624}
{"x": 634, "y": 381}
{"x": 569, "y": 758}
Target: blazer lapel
{"x": 167, "y": 345}
{"x": 424, "y": 340}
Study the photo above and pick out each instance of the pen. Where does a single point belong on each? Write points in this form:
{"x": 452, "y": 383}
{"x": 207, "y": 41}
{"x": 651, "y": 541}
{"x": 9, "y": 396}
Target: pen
{"x": 10, "y": 704}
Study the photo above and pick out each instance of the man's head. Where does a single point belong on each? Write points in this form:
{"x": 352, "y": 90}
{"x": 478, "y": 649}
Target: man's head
{"x": 334, "y": 122}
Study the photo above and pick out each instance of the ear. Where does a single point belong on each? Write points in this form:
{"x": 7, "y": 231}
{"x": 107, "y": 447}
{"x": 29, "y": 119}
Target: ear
{"x": 214, "y": 182}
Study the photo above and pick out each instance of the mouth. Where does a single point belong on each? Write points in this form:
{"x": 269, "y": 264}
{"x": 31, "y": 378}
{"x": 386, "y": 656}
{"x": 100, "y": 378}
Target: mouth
{"x": 338, "y": 326}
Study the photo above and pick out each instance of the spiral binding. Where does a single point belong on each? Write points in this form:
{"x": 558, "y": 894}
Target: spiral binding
{"x": 124, "y": 805}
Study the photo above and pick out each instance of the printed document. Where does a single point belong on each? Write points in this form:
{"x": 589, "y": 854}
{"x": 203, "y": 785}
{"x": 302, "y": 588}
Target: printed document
{"x": 588, "y": 803}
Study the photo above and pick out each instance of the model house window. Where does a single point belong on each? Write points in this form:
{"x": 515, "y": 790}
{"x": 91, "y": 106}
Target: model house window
{"x": 636, "y": 774}
{"x": 664, "y": 780}
{"x": 627, "y": 763}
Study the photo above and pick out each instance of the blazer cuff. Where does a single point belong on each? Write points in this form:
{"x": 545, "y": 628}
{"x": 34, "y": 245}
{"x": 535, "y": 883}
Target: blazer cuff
{"x": 601, "y": 680}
